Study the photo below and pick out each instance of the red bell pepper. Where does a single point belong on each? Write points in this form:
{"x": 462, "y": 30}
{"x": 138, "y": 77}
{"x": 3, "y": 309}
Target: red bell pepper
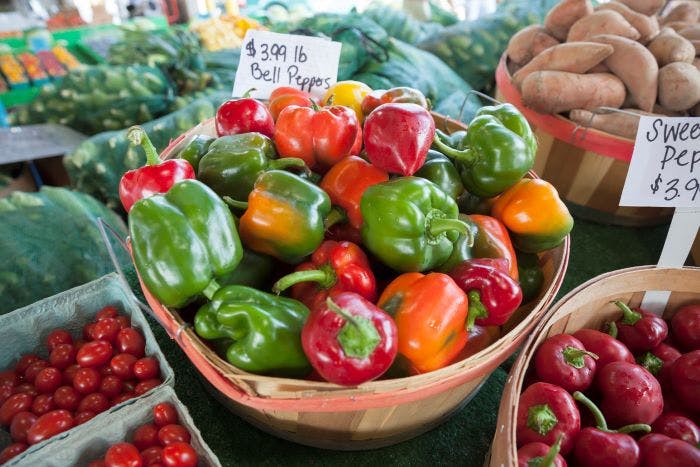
{"x": 398, "y": 95}
{"x": 658, "y": 361}
{"x": 397, "y": 137}
{"x": 607, "y": 348}
{"x": 658, "y": 450}
{"x": 545, "y": 412}
{"x": 493, "y": 294}
{"x": 639, "y": 330}
{"x": 629, "y": 394}
{"x": 677, "y": 426}
{"x": 349, "y": 340}
{"x": 334, "y": 267}
{"x": 284, "y": 96}
{"x": 155, "y": 177}
{"x": 541, "y": 455}
{"x": 563, "y": 360}
{"x": 685, "y": 378}
{"x": 244, "y": 115}
{"x": 686, "y": 326}
{"x": 492, "y": 240}
{"x": 321, "y": 136}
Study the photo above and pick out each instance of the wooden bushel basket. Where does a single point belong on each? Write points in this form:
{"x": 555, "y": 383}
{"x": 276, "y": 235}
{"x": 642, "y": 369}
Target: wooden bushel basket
{"x": 587, "y": 306}
{"x": 587, "y": 166}
{"x": 374, "y": 414}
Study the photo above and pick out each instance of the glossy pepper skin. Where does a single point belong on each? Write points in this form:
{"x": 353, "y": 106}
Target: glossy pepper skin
{"x": 284, "y": 217}
{"x": 349, "y": 340}
{"x": 492, "y": 240}
{"x": 254, "y": 270}
{"x": 182, "y": 240}
{"x": 658, "y": 450}
{"x": 440, "y": 170}
{"x": 321, "y": 137}
{"x": 530, "y": 275}
{"x": 495, "y": 152}
{"x": 463, "y": 247}
{"x": 195, "y": 149}
{"x": 284, "y": 96}
{"x": 493, "y": 294}
{"x": 334, "y": 267}
{"x": 155, "y": 177}
{"x": 677, "y": 426}
{"x": 260, "y": 332}
{"x": 347, "y": 181}
{"x": 563, "y": 360}
{"x": 244, "y": 115}
{"x": 397, "y": 95}
{"x": 545, "y": 412}
{"x": 639, "y": 330}
{"x": 430, "y": 312}
{"x": 534, "y": 214}
{"x": 629, "y": 394}
{"x": 233, "y": 163}
{"x": 397, "y": 137}
{"x": 348, "y": 93}
{"x": 607, "y": 348}
{"x": 686, "y": 326}
{"x": 541, "y": 455}
{"x": 685, "y": 378}
{"x": 409, "y": 223}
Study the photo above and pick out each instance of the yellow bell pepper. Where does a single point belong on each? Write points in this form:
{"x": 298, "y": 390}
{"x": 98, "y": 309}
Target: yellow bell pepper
{"x": 350, "y": 94}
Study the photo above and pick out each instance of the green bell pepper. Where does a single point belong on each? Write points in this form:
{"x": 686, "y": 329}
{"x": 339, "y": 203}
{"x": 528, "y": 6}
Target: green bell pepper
{"x": 470, "y": 204}
{"x": 530, "y": 275}
{"x": 440, "y": 170}
{"x": 254, "y": 270}
{"x": 495, "y": 152}
{"x": 463, "y": 247}
{"x": 264, "y": 330}
{"x": 182, "y": 240}
{"x": 195, "y": 149}
{"x": 410, "y": 224}
{"x": 234, "y": 162}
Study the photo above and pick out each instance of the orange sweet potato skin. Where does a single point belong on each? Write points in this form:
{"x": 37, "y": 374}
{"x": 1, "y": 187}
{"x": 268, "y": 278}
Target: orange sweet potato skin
{"x": 601, "y": 22}
{"x": 645, "y": 7}
{"x": 561, "y": 91}
{"x": 648, "y": 26}
{"x": 528, "y": 43}
{"x": 564, "y": 14}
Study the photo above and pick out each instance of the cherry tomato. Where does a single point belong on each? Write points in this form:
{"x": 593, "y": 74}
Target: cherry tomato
{"x": 15, "y": 404}
{"x": 69, "y": 374}
{"x": 144, "y": 386}
{"x": 173, "y": 433}
{"x": 130, "y": 340}
{"x": 66, "y": 398}
{"x": 124, "y": 321}
{"x": 152, "y": 455}
{"x": 123, "y": 455}
{"x": 24, "y": 363}
{"x": 93, "y": 354}
{"x": 84, "y": 416}
{"x": 111, "y": 386}
{"x": 21, "y": 422}
{"x": 122, "y": 365}
{"x": 125, "y": 396}
{"x": 106, "y": 312}
{"x": 87, "y": 331}
{"x": 106, "y": 329}
{"x": 48, "y": 380}
{"x": 48, "y": 425}
{"x": 146, "y": 368}
{"x": 25, "y": 388}
{"x": 58, "y": 337}
{"x": 6, "y": 390}
{"x": 164, "y": 414}
{"x": 86, "y": 380}
{"x": 105, "y": 370}
{"x": 62, "y": 356}
{"x": 42, "y": 404}
{"x": 78, "y": 345}
{"x": 95, "y": 402}
{"x": 11, "y": 451}
{"x": 34, "y": 369}
{"x": 145, "y": 436}
{"x": 8, "y": 376}
{"x": 179, "y": 455}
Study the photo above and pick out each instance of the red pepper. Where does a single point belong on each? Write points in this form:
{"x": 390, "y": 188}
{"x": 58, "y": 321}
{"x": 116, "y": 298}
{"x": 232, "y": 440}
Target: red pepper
{"x": 398, "y": 95}
{"x": 545, "y": 412}
{"x": 334, "y": 267}
{"x": 639, "y": 330}
{"x": 541, "y": 455}
{"x": 601, "y": 447}
{"x": 348, "y": 340}
{"x": 686, "y": 326}
{"x": 607, "y": 348}
{"x": 675, "y": 425}
{"x": 319, "y": 136}
{"x": 284, "y": 96}
{"x": 658, "y": 362}
{"x": 685, "y": 378}
{"x": 493, "y": 294}
{"x": 493, "y": 241}
{"x": 563, "y": 360}
{"x": 155, "y": 177}
{"x": 397, "y": 137}
{"x": 244, "y": 115}
{"x": 629, "y": 394}
{"x": 661, "y": 451}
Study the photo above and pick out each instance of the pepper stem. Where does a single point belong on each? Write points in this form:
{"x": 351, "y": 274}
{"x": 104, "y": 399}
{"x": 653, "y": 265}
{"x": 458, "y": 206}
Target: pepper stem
{"x": 629, "y": 316}
{"x": 597, "y": 414}
{"x": 335, "y": 216}
{"x": 234, "y": 203}
{"x": 248, "y": 93}
{"x": 466, "y": 156}
{"x": 211, "y": 289}
{"x": 651, "y": 362}
{"x": 138, "y": 137}
{"x": 325, "y": 276}
{"x": 612, "y": 329}
{"x": 634, "y": 427}
{"x": 548, "y": 459}
{"x": 359, "y": 336}
{"x": 284, "y": 162}
{"x": 476, "y": 309}
{"x": 574, "y": 356}
{"x": 439, "y": 225}
{"x": 541, "y": 419}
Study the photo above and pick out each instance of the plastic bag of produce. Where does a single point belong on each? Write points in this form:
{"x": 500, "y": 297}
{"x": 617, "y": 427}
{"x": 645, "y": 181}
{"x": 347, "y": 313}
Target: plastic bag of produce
{"x": 399, "y": 24}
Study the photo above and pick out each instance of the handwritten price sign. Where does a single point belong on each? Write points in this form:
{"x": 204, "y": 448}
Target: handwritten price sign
{"x": 270, "y": 60}
{"x": 665, "y": 167}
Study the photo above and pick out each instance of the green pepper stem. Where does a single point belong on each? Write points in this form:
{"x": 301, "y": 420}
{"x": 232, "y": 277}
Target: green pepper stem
{"x": 335, "y": 216}
{"x": 597, "y": 414}
{"x": 629, "y": 316}
{"x": 211, "y": 289}
{"x": 138, "y": 137}
{"x": 359, "y": 336}
{"x": 541, "y": 419}
{"x": 325, "y": 277}
{"x": 284, "y": 162}
{"x": 634, "y": 427}
{"x": 547, "y": 460}
{"x": 466, "y": 156}
{"x": 651, "y": 362}
{"x": 315, "y": 106}
{"x": 612, "y": 329}
{"x": 476, "y": 309}
{"x": 574, "y": 356}
{"x": 248, "y": 93}
{"x": 439, "y": 225}
{"x": 234, "y": 203}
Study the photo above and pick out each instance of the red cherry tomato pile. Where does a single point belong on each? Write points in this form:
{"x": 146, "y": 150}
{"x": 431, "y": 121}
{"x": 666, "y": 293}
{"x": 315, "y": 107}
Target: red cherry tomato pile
{"x": 163, "y": 442}
{"x": 642, "y": 401}
{"x": 81, "y": 378}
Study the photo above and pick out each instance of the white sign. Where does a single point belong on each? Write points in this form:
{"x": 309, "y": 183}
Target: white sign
{"x": 270, "y": 60}
{"x": 665, "y": 166}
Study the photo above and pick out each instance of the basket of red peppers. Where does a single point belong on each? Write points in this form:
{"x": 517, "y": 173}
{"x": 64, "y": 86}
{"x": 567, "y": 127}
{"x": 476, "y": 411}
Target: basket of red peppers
{"x": 604, "y": 381}
{"x": 345, "y": 272}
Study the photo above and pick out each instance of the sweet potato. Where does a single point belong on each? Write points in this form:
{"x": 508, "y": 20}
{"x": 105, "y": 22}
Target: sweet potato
{"x": 635, "y": 66}
{"x": 560, "y": 91}
{"x": 564, "y": 14}
{"x": 678, "y": 25}
{"x": 696, "y": 63}
{"x": 692, "y": 33}
{"x": 658, "y": 110}
{"x": 679, "y": 86}
{"x": 574, "y": 57}
{"x": 695, "y": 111}
{"x": 670, "y": 47}
{"x": 696, "y": 45}
{"x": 601, "y": 22}
{"x": 645, "y": 7}
{"x": 648, "y": 26}
{"x": 686, "y": 11}
{"x": 616, "y": 123}
{"x": 599, "y": 68}
{"x": 528, "y": 43}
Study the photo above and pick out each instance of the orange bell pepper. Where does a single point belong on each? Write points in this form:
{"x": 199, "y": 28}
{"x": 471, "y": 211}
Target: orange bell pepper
{"x": 285, "y": 96}
{"x": 535, "y": 215}
{"x": 431, "y": 314}
{"x": 492, "y": 240}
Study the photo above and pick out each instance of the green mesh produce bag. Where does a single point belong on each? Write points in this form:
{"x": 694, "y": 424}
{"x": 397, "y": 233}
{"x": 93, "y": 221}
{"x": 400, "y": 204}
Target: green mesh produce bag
{"x": 50, "y": 243}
